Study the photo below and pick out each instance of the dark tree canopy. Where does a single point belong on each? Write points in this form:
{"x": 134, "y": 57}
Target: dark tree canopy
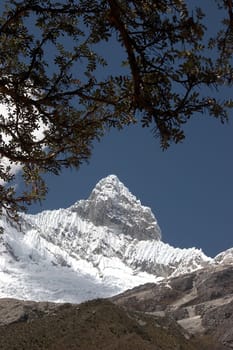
{"x": 60, "y": 96}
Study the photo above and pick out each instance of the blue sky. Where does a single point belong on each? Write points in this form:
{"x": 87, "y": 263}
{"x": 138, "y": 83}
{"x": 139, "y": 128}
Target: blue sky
{"x": 189, "y": 187}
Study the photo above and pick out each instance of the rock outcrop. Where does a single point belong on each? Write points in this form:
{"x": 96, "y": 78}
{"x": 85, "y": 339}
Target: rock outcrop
{"x": 201, "y": 302}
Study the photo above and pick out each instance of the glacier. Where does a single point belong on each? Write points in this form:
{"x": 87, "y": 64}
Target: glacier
{"x": 96, "y": 248}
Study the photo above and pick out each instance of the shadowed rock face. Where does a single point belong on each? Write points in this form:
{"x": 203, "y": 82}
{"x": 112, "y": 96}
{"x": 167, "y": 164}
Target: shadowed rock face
{"x": 201, "y": 302}
{"x": 111, "y": 204}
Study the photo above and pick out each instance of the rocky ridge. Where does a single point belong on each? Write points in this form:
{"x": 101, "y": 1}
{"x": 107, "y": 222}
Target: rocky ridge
{"x": 112, "y": 223}
{"x": 201, "y": 302}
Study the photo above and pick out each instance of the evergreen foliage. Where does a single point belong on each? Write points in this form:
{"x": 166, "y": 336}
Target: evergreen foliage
{"x": 55, "y": 80}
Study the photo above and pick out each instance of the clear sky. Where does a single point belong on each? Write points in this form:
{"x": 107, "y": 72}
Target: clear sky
{"x": 189, "y": 187}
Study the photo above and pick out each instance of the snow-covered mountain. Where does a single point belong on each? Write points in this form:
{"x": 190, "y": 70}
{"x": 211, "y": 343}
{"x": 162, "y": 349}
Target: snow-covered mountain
{"x": 96, "y": 248}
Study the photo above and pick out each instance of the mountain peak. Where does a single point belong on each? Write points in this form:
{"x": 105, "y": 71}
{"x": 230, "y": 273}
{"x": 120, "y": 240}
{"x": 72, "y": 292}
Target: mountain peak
{"x": 112, "y": 205}
{"x": 110, "y": 187}
{"x": 110, "y": 179}
{"x": 98, "y": 246}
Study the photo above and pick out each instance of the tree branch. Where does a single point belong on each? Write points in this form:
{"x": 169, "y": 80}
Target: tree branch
{"x": 115, "y": 20}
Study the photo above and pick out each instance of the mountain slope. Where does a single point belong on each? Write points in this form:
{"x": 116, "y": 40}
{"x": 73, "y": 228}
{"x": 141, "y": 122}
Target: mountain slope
{"x": 98, "y": 247}
{"x": 201, "y": 302}
{"x": 94, "y": 325}
{"x": 189, "y": 312}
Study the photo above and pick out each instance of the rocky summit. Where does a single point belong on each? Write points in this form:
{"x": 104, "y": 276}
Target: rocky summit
{"x": 112, "y": 205}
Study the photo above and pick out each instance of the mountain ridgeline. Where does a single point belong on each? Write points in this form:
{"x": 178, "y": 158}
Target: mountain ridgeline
{"x": 96, "y": 248}
{"x": 109, "y": 246}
